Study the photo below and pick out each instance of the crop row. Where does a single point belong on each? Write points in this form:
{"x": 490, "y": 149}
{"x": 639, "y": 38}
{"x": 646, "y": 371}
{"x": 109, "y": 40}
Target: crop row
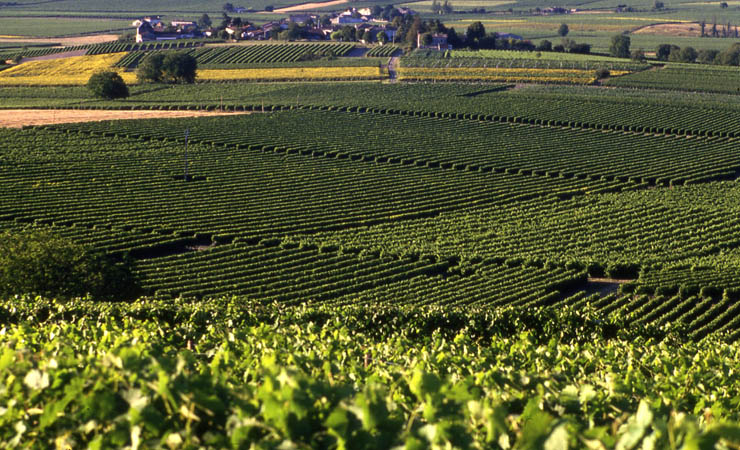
{"x": 237, "y": 192}
{"x": 508, "y": 75}
{"x": 382, "y": 51}
{"x": 511, "y": 63}
{"x": 296, "y": 274}
{"x": 700, "y": 79}
{"x": 98, "y": 49}
{"x": 471, "y": 145}
{"x": 639, "y": 111}
{"x": 613, "y": 234}
{"x": 267, "y": 53}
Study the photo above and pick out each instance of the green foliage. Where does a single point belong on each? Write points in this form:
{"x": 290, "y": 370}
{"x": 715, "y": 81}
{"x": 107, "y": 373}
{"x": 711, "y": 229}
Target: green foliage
{"x": 179, "y": 68}
{"x": 150, "y": 69}
{"x": 620, "y": 46}
{"x": 563, "y": 30}
{"x": 107, "y": 85}
{"x": 229, "y": 373}
{"x": 45, "y": 264}
{"x": 475, "y": 32}
{"x": 171, "y": 67}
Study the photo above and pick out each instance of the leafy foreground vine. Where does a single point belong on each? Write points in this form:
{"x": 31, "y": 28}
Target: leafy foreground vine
{"x": 232, "y": 374}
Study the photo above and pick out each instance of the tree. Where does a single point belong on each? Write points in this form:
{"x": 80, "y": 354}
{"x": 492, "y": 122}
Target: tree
{"x": 179, "y": 67}
{"x": 544, "y": 46}
{"x": 638, "y": 55}
{"x": 228, "y": 7}
{"x": 348, "y": 33}
{"x": 475, "y": 32}
{"x": 730, "y": 56}
{"x": 658, "y": 4}
{"x": 688, "y": 55}
{"x": 42, "y": 263}
{"x": 107, "y": 85}
{"x": 664, "y": 51}
{"x": 707, "y": 56}
{"x": 563, "y": 30}
{"x": 382, "y": 37}
{"x": 426, "y": 39}
{"x": 723, "y": 5}
{"x": 620, "y": 46}
{"x": 447, "y": 7}
{"x": 204, "y": 21}
{"x": 150, "y": 69}
{"x": 172, "y": 67}
{"x": 367, "y": 36}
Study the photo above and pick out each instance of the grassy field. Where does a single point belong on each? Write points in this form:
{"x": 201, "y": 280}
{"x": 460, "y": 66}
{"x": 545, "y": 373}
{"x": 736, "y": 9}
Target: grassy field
{"x": 31, "y": 27}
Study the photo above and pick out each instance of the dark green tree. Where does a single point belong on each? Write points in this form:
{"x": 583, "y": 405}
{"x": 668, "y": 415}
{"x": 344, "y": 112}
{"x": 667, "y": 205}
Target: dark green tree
{"x": 107, "y": 85}
{"x": 150, "y": 69}
{"x": 179, "y": 68}
{"x": 382, "y": 37}
{"x": 620, "y": 46}
{"x": 42, "y": 263}
{"x": 563, "y": 30}
{"x": 475, "y": 32}
{"x": 664, "y": 51}
{"x": 204, "y": 21}
{"x": 688, "y": 55}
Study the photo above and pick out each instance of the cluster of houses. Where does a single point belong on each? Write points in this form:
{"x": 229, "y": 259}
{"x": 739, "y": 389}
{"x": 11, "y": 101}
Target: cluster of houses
{"x": 313, "y": 27}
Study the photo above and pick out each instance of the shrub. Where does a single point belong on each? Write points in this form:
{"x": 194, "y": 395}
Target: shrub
{"x": 108, "y": 85}
{"x": 44, "y": 264}
{"x": 602, "y": 73}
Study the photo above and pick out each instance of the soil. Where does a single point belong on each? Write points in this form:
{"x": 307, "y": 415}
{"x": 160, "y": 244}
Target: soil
{"x": 17, "y": 118}
{"x": 309, "y": 6}
{"x": 59, "y": 55}
{"x": 66, "y": 41}
{"x": 672, "y": 29}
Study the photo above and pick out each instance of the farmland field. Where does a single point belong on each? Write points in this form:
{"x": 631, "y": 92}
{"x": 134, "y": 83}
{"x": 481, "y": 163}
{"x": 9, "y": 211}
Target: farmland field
{"x": 472, "y": 250}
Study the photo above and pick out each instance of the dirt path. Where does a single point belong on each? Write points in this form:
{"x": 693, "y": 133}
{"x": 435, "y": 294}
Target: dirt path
{"x": 309, "y": 6}
{"x": 66, "y": 41}
{"x": 59, "y": 55}
{"x": 17, "y": 118}
{"x": 393, "y": 69}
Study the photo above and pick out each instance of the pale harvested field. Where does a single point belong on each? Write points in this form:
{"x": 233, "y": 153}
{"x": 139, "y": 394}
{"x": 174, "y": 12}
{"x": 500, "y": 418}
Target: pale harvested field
{"x": 67, "y": 41}
{"x": 309, "y": 6}
{"x": 673, "y": 29}
{"x": 17, "y": 118}
{"x": 59, "y": 55}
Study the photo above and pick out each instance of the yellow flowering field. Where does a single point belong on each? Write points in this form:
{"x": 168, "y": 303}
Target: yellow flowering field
{"x": 74, "y": 70}
{"x": 570, "y": 76}
{"x": 293, "y": 73}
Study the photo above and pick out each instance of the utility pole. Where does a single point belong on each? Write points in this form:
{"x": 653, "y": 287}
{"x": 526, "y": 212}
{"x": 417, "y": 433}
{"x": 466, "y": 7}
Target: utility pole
{"x": 187, "y": 134}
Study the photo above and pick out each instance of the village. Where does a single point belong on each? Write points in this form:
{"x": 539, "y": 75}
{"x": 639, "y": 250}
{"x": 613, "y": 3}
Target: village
{"x": 376, "y": 24}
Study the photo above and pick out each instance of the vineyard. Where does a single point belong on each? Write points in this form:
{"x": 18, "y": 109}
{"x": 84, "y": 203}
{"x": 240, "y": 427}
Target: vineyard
{"x": 99, "y": 49}
{"x": 684, "y": 77}
{"x": 246, "y": 56}
{"x": 382, "y": 51}
{"x": 372, "y": 265}
{"x": 230, "y": 374}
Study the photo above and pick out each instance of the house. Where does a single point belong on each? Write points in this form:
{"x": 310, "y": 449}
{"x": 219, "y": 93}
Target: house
{"x": 184, "y": 25}
{"x": 146, "y": 32}
{"x": 365, "y": 11}
{"x": 155, "y": 22}
{"x": 439, "y": 42}
{"x": 346, "y": 20}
